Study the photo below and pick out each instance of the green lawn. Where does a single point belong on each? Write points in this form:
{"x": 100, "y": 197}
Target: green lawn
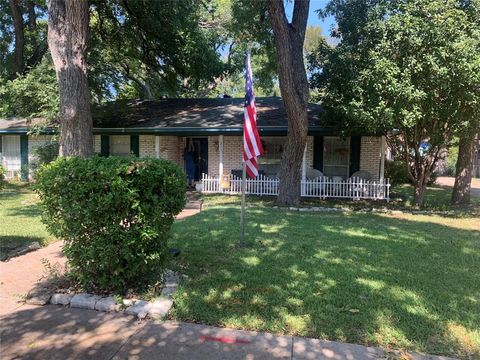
{"x": 436, "y": 197}
{"x": 401, "y": 281}
{"x": 20, "y": 218}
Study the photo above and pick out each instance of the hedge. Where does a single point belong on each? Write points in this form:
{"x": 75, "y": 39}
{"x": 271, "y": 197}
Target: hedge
{"x": 114, "y": 215}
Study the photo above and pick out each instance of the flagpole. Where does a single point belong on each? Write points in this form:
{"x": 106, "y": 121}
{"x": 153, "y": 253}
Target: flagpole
{"x": 242, "y": 211}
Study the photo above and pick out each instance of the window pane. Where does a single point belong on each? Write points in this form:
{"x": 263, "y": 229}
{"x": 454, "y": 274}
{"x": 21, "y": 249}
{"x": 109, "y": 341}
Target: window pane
{"x": 336, "y": 155}
{"x": 269, "y": 162}
{"x": 120, "y": 145}
{"x": 11, "y": 152}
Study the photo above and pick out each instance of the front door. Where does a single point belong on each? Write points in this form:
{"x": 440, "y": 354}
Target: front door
{"x": 200, "y": 156}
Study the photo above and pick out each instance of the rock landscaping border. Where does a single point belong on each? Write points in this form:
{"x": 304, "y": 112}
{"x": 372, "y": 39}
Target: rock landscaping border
{"x": 367, "y": 210}
{"x": 157, "y": 308}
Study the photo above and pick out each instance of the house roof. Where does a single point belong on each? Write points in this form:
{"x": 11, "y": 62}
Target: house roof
{"x": 183, "y": 116}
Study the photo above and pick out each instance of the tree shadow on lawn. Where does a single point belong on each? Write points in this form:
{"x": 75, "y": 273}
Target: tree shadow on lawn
{"x": 361, "y": 278}
{"x": 11, "y": 244}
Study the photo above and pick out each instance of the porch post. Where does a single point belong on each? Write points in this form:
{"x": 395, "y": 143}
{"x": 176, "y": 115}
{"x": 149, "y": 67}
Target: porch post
{"x": 157, "y": 146}
{"x": 304, "y": 163}
{"x": 220, "y": 151}
{"x": 382, "y": 158}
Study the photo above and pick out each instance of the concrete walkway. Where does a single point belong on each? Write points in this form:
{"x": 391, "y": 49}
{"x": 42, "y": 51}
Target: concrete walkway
{"x": 53, "y": 332}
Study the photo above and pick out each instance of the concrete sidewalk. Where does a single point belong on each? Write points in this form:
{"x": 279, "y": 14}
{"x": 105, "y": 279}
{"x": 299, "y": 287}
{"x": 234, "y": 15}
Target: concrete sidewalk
{"x": 54, "y": 332}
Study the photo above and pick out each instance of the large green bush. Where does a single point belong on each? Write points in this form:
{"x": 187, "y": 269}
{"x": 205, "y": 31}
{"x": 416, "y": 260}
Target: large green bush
{"x": 396, "y": 171}
{"x": 114, "y": 214}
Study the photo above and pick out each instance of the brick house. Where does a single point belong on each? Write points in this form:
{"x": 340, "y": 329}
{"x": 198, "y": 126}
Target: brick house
{"x": 161, "y": 128}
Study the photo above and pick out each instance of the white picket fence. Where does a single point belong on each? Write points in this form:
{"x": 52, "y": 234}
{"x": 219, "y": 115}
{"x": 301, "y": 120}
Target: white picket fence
{"x": 322, "y": 187}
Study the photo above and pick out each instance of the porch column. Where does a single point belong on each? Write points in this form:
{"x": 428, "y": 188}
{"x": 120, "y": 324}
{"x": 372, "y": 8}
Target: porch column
{"x": 382, "y": 158}
{"x": 157, "y": 146}
{"x": 304, "y": 163}
{"x": 220, "y": 157}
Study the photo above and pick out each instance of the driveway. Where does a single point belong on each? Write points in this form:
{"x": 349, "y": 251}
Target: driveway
{"x": 450, "y": 181}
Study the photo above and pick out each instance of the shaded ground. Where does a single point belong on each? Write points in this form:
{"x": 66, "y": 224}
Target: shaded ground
{"x": 54, "y": 332}
{"x": 405, "y": 281}
{"x": 21, "y": 274}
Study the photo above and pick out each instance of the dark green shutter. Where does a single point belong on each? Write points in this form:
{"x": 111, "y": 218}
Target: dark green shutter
{"x": 135, "y": 145}
{"x": 1, "y": 157}
{"x": 104, "y": 145}
{"x": 24, "y": 157}
{"x": 355, "y": 144}
{"x": 318, "y": 153}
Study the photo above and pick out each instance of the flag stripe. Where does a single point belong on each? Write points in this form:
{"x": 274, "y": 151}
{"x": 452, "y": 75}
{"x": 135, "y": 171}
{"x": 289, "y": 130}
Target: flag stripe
{"x": 252, "y": 145}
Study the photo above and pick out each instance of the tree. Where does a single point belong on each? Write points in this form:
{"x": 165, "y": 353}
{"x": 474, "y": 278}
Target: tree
{"x": 463, "y": 172}
{"x": 467, "y": 143}
{"x": 412, "y": 67}
{"x": 289, "y": 39}
{"x": 22, "y": 36}
{"x": 68, "y": 27}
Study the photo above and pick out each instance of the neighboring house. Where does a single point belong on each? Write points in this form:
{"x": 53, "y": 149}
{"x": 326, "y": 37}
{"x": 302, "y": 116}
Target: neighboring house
{"x": 161, "y": 128}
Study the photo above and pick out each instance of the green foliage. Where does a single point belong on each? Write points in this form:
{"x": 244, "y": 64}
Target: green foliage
{"x": 114, "y": 214}
{"x": 411, "y": 66}
{"x": 2, "y": 177}
{"x": 45, "y": 154}
{"x": 451, "y": 161}
{"x": 160, "y": 48}
{"x": 34, "y": 94}
{"x": 396, "y": 171}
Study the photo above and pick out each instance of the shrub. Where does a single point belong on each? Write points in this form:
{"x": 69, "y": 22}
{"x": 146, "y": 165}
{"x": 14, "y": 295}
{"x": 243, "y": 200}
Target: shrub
{"x": 451, "y": 161}
{"x": 2, "y": 177}
{"x": 45, "y": 154}
{"x": 114, "y": 214}
{"x": 397, "y": 172}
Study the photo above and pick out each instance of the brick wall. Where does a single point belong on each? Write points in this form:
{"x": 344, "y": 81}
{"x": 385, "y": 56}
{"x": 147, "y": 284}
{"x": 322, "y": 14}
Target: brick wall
{"x": 96, "y": 144}
{"x": 147, "y": 145}
{"x": 309, "y": 155}
{"x": 370, "y": 155}
{"x": 170, "y": 149}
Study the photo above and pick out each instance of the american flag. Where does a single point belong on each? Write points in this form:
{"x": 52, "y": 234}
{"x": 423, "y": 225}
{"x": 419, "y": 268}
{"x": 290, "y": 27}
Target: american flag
{"x": 252, "y": 146}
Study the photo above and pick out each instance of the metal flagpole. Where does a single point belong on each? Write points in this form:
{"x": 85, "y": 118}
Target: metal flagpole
{"x": 242, "y": 211}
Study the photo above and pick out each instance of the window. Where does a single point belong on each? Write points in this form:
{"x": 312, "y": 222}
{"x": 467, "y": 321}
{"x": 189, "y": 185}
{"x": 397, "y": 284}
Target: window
{"x": 269, "y": 162}
{"x": 336, "y": 156}
{"x": 120, "y": 145}
{"x": 11, "y": 152}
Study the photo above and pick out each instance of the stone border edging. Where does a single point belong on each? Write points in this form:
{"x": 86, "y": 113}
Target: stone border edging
{"x": 158, "y": 308}
{"x": 366, "y": 210}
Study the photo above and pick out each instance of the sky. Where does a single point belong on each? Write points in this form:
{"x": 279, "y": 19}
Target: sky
{"x": 313, "y": 18}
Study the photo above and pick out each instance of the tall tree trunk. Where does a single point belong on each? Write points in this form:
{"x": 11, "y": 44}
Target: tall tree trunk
{"x": 68, "y": 25}
{"x": 463, "y": 172}
{"x": 289, "y": 39}
{"x": 32, "y": 27}
{"x": 19, "y": 37}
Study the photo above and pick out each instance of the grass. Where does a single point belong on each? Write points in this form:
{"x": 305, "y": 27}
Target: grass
{"x": 400, "y": 281}
{"x": 20, "y": 218}
{"x": 437, "y": 198}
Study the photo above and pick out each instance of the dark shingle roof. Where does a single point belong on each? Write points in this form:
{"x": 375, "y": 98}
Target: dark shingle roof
{"x": 222, "y": 115}
{"x": 189, "y": 113}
